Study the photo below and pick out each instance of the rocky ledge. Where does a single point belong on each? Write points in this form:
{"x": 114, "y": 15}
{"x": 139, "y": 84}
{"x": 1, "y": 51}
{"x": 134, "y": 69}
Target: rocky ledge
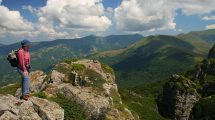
{"x": 88, "y": 83}
{"x": 12, "y": 108}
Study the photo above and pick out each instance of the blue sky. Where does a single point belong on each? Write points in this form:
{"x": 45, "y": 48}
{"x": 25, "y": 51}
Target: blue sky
{"x": 41, "y": 20}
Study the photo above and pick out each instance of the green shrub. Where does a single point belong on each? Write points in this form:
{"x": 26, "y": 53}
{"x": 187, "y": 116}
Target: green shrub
{"x": 96, "y": 78}
{"x": 72, "y": 110}
{"x": 117, "y": 104}
{"x": 144, "y": 106}
{"x": 107, "y": 68}
{"x": 40, "y": 95}
{"x": 11, "y": 89}
{"x": 78, "y": 67}
{"x": 69, "y": 60}
{"x": 180, "y": 86}
{"x": 191, "y": 90}
{"x": 212, "y": 60}
{"x": 209, "y": 78}
{"x": 204, "y": 109}
{"x": 63, "y": 69}
{"x": 171, "y": 84}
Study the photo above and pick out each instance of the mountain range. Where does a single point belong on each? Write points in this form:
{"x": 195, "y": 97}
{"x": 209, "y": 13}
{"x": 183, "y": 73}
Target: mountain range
{"x": 154, "y": 56}
{"x": 135, "y": 58}
{"x": 45, "y": 54}
{"x": 142, "y": 65}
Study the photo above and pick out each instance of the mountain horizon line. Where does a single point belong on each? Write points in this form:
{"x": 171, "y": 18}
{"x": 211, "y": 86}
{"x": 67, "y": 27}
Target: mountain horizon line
{"x": 93, "y": 35}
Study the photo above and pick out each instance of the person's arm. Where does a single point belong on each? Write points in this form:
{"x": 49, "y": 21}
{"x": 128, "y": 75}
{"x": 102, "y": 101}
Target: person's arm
{"x": 29, "y": 60}
{"x": 21, "y": 61}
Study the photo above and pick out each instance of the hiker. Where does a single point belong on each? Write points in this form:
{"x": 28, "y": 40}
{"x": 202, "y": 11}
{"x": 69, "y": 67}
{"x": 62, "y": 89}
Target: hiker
{"x": 24, "y": 67}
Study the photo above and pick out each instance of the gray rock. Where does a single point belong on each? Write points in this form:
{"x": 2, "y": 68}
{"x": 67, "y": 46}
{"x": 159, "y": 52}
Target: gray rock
{"x": 96, "y": 103}
{"x": 95, "y": 106}
{"x": 57, "y": 77}
{"x": 47, "y": 110}
{"x": 8, "y": 116}
{"x": 27, "y": 112}
{"x": 36, "y": 81}
{"x": 177, "y": 103}
{"x": 18, "y": 93}
{"x": 11, "y": 108}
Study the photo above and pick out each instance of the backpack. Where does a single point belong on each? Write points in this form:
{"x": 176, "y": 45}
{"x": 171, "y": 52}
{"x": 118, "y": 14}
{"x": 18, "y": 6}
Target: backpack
{"x": 12, "y": 57}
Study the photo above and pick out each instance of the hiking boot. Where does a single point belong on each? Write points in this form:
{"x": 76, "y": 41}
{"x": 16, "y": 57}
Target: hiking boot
{"x": 25, "y": 97}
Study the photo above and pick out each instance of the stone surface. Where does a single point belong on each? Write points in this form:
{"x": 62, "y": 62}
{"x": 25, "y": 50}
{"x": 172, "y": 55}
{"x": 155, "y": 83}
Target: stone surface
{"x": 95, "y": 97}
{"x": 37, "y": 81}
{"x": 47, "y": 110}
{"x": 177, "y": 99}
{"x": 97, "y": 104}
{"x": 96, "y": 66}
{"x": 12, "y": 108}
{"x": 57, "y": 77}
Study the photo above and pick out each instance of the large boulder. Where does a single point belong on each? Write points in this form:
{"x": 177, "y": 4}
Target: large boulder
{"x": 90, "y": 85}
{"x": 12, "y": 108}
{"x": 37, "y": 81}
{"x": 178, "y": 98}
{"x": 95, "y": 106}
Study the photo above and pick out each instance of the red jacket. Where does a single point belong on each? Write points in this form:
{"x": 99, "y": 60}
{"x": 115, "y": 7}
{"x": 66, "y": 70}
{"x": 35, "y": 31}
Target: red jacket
{"x": 24, "y": 59}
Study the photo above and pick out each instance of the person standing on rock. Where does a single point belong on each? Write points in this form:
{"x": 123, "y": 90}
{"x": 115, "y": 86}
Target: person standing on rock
{"x": 24, "y": 67}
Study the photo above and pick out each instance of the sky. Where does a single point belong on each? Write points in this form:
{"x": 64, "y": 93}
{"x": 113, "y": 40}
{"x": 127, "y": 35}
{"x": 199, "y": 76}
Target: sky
{"x": 44, "y": 20}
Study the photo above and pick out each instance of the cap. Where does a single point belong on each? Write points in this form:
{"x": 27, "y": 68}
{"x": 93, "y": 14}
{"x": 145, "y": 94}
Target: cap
{"x": 25, "y": 43}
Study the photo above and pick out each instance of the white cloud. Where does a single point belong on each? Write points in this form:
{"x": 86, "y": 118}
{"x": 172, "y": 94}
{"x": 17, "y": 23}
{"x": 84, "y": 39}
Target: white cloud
{"x": 84, "y": 15}
{"x": 77, "y": 18}
{"x": 150, "y": 15}
{"x": 30, "y": 9}
{"x": 47, "y": 29}
{"x": 208, "y": 18}
{"x": 212, "y": 26}
{"x": 13, "y": 25}
{"x": 191, "y": 7}
{"x": 13, "y": 21}
{"x": 141, "y": 15}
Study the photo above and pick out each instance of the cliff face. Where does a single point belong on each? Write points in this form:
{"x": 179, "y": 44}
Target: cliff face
{"x": 178, "y": 99}
{"x": 211, "y": 53}
{"x": 88, "y": 83}
{"x": 182, "y": 92}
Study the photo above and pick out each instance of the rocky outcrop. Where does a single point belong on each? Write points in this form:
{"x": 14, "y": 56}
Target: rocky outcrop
{"x": 12, "y": 108}
{"x": 96, "y": 106}
{"x": 37, "y": 81}
{"x": 206, "y": 74}
{"x": 178, "y": 99}
{"x": 182, "y": 92}
{"x": 87, "y": 83}
{"x": 211, "y": 53}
